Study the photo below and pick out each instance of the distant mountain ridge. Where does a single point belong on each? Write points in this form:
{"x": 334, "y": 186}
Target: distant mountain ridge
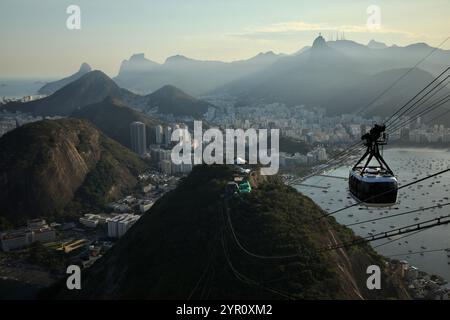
{"x": 90, "y": 88}
{"x": 341, "y": 76}
{"x": 300, "y": 79}
{"x": 317, "y": 76}
{"x": 137, "y": 63}
{"x": 194, "y": 76}
{"x": 95, "y": 86}
{"x": 376, "y": 45}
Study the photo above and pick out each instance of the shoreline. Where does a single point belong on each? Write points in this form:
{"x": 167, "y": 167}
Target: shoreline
{"x": 429, "y": 146}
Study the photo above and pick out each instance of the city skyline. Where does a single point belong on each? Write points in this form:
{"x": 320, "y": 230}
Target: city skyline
{"x": 111, "y": 33}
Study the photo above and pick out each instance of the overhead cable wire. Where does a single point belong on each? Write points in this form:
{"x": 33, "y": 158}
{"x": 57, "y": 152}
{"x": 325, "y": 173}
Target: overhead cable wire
{"x": 384, "y": 193}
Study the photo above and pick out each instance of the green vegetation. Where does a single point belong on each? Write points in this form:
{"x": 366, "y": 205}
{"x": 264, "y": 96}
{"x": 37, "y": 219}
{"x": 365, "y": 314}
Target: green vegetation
{"x": 113, "y": 118}
{"x": 171, "y": 100}
{"x": 40, "y": 255}
{"x": 97, "y": 185}
{"x": 291, "y": 145}
{"x": 5, "y": 224}
{"x": 65, "y": 166}
{"x": 186, "y": 234}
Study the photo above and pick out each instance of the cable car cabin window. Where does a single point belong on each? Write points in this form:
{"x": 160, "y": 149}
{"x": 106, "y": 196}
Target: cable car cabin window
{"x": 384, "y": 192}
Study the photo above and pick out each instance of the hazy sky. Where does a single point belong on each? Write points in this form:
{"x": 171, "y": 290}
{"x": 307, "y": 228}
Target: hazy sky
{"x": 36, "y": 42}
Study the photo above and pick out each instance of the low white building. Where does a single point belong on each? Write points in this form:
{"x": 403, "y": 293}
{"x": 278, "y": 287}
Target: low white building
{"x": 93, "y": 220}
{"x": 147, "y": 188}
{"x": 16, "y": 239}
{"x": 145, "y": 206}
{"x": 89, "y": 221}
{"x": 36, "y": 230}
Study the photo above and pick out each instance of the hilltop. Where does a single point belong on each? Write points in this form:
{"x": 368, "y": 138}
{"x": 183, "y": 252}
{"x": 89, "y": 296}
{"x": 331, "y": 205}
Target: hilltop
{"x": 50, "y": 167}
{"x": 91, "y": 88}
{"x": 196, "y": 77}
{"x": 190, "y": 251}
{"x": 113, "y": 118}
{"x": 51, "y": 87}
{"x": 95, "y": 86}
{"x": 171, "y": 100}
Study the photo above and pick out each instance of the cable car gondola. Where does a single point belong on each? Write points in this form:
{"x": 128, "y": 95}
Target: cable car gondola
{"x": 373, "y": 185}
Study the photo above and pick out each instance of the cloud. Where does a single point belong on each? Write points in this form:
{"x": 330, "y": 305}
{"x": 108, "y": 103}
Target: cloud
{"x": 290, "y": 28}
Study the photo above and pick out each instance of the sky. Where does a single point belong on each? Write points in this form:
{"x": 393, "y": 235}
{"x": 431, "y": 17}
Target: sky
{"x": 35, "y": 41}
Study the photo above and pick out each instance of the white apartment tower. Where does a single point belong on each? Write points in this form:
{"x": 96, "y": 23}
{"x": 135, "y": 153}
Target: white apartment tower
{"x": 158, "y": 134}
{"x": 167, "y": 135}
{"x": 138, "y": 139}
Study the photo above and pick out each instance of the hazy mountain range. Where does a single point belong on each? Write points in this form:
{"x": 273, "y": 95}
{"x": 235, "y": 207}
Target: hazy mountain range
{"x": 286, "y": 78}
{"x": 341, "y": 76}
{"x": 95, "y": 86}
{"x": 196, "y": 77}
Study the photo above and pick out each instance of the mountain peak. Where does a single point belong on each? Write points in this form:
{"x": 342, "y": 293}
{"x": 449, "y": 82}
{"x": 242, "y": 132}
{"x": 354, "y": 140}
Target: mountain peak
{"x": 90, "y": 88}
{"x": 319, "y": 42}
{"x": 69, "y": 167}
{"x": 137, "y": 63}
{"x": 96, "y": 73}
{"x": 268, "y": 53}
{"x": 54, "y": 86}
{"x": 177, "y": 58}
{"x": 376, "y": 45}
{"x": 95, "y": 76}
{"x": 171, "y": 100}
{"x": 84, "y": 68}
{"x": 171, "y": 92}
{"x": 168, "y": 88}
{"x": 419, "y": 45}
{"x": 138, "y": 57}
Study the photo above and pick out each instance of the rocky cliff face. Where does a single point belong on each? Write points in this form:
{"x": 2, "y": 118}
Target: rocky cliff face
{"x": 46, "y": 165}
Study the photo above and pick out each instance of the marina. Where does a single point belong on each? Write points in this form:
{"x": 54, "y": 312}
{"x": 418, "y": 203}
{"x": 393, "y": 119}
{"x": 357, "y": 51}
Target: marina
{"x": 413, "y": 165}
